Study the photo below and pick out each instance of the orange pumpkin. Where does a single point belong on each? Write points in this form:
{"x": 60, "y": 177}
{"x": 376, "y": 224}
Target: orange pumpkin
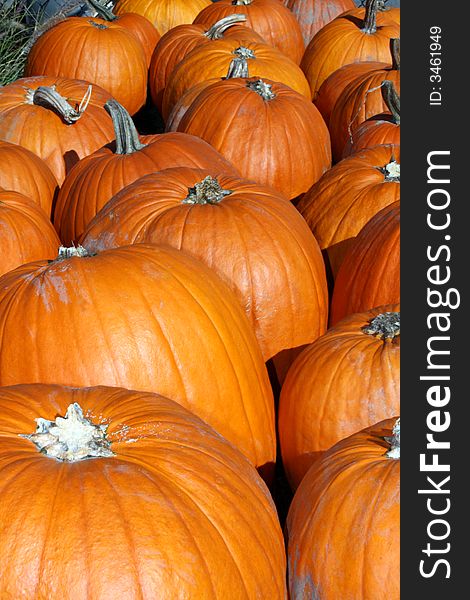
{"x": 102, "y": 52}
{"x": 273, "y": 21}
{"x": 144, "y": 317}
{"x": 312, "y": 15}
{"x": 96, "y": 178}
{"x": 272, "y": 134}
{"x": 247, "y": 233}
{"x": 347, "y": 196}
{"x": 151, "y": 502}
{"x": 379, "y": 129}
{"x": 179, "y": 41}
{"x": 370, "y": 273}
{"x": 361, "y": 100}
{"x": 346, "y": 380}
{"x": 164, "y": 14}
{"x": 68, "y": 113}
{"x": 343, "y": 526}
{"x": 26, "y": 232}
{"x": 345, "y": 40}
{"x": 23, "y": 171}
{"x": 232, "y": 56}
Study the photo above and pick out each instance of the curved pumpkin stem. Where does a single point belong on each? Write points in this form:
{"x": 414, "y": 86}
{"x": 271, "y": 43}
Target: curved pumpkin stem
{"x": 394, "y": 441}
{"x": 262, "y": 88}
{"x": 395, "y": 51}
{"x": 103, "y": 11}
{"x": 71, "y": 438}
{"x": 207, "y": 191}
{"x": 239, "y": 65}
{"x": 48, "y": 97}
{"x": 217, "y": 30}
{"x": 385, "y": 326}
{"x": 127, "y": 136}
{"x": 391, "y": 99}
{"x": 370, "y": 17}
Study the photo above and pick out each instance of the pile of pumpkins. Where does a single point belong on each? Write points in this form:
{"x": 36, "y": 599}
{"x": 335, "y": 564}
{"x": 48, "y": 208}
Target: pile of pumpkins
{"x": 182, "y": 310}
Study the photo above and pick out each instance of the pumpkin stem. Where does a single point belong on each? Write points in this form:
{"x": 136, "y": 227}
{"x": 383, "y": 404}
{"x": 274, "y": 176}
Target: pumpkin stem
{"x": 239, "y": 65}
{"x": 262, "y": 88}
{"x": 207, "y": 191}
{"x": 70, "y": 438}
{"x": 48, "y": 97}
{"x": 370, "y": 17}
{"x": 385, "y": 326}
{"x": 391, "y": 172}
{"x": 101, "y": 26}
{"x": 127, "y": 137}
{"x": 72, "y": 251}
{"x": 103, "y": 11}
{"x": 395, "y": 52}
{"x": 391, "y": 99}
{"x": 217, "y": 30}
{"x": 394, "y": 441}
{"x": 241, "y": 2}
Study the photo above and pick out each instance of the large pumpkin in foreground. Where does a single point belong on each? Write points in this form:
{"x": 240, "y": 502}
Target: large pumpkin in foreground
{"x": 151, "y": 503}
{"x": 343, "y": 525}
{"x": 347, "y": 379}
{"x": 143, "y": 317}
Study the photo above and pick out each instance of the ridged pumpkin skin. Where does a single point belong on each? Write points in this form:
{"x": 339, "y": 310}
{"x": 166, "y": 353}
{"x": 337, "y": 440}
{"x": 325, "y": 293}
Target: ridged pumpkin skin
{"x": 347, "y": 196}
{"x": 98, "y": 177}
{"x": 24, "y": 172}
{"x": 102, "y": 52}
{"x": 273, "y": 21}
{"x": 312, "y": 15}
{"x": 345, "y": 41}
{"x": 164, "y": 14}
{"x": 178, "y": 43}
{"x": 176, "y": 512}
{"x": 359, "y": 101}
{"x": 344, "y": 381}
{"x": 370, "y": 273}
{"x": 281, "y": 141}
{"x": 345, "y": 520}
{"x": 143, "y": 30}
{"x": 252, "y": 238}
{"x": 213, "y": 61}
{"x": 331, "y": 89}
{"x": 379, "y": 130}
{"x": 26, "y": 233}
{"x": 60, "y": 145}
{"x": 143, "y": 317}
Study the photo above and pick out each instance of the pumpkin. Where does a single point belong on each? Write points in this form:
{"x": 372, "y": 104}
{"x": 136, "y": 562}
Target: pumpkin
{"x": 345, "y": 40}
{"x": 164, "y": 14}
{"x": 60, "y": 120}
{"x": 347, "y": 196}
{"x": 23, "y": 171}
{"x": 247, "y": 233}
{"x": 96, "y": 178}
{"x": 99, "y": 51}
{"x": 140, "y": 27}
{"x": 150, "y": 502}
{"x": 179, "y": 109}
{"x": 273, "y": 21}
{"x": 312, "y": 15}
{"x": 347, "y": 379}
{"x": 370, "y": 273}
{"x": 143, "y": 317}
{"x": 272, "y": 134}
{"x": 343, "y": 526}
{"x": 26, "y": 232}
{"x": 384, "y": 12}
{"x": 361, "y": 100}
{"x": 236, "y": 57}
{"x": 179, "y": 41}
{"x": 379, "y": 129}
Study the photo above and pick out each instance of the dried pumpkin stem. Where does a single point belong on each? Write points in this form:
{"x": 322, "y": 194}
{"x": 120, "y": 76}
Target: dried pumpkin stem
{"x": 127, "y": 137}
{"x": 71, "y": 438}
{"x": 391, "y": 172}
{"x": 262, "y": 88}
{"x": 48, "y": 97}
{"x": 101, "y": 26}
{"x": 395, "y": 52}
{"x": 391, "y": 99}
{"x": 394, "y": 441}
{"x": 217, "y": 30}
{"x": 241, "y": 2}
{"x": 370, "y": 17}
{"x": 207, "y": 191}
{"x": 103, "y": 11}
{"x": 70, "y": 252}
{"x": 239, "y": 65}
{"x": 385, "y": 326}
